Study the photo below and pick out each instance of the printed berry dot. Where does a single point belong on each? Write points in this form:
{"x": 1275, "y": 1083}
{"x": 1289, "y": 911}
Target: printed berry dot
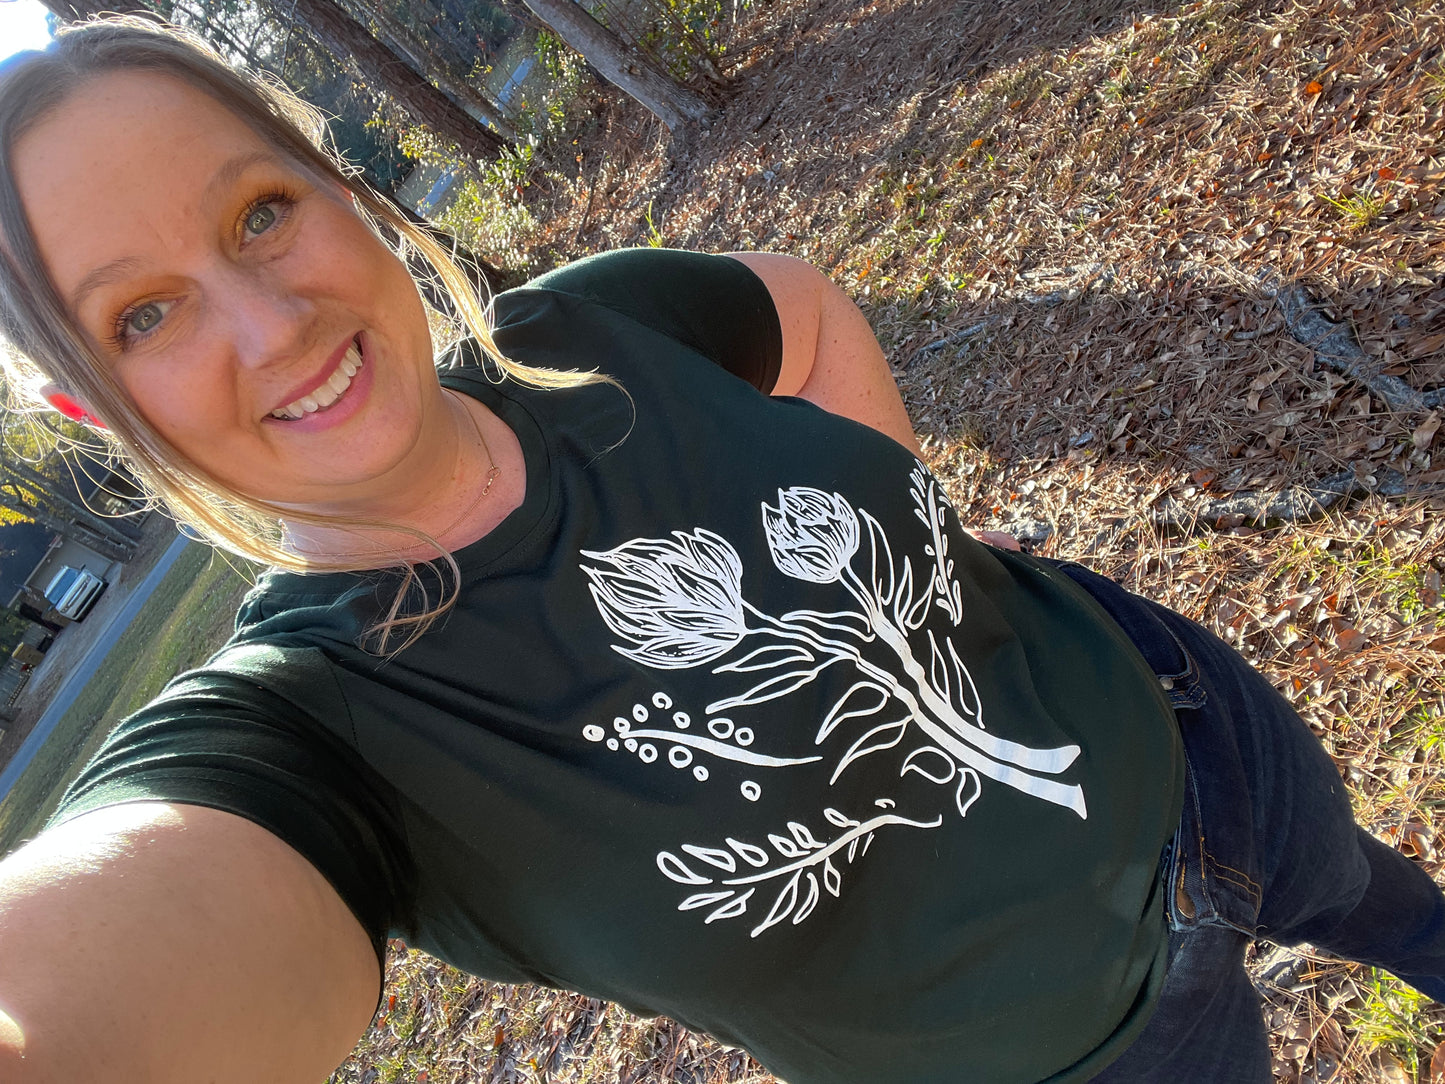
{"x": 621, "y": 725}
{"x": 700, "y": 774}
{"x": 744, "y": 735}
{"x": 648, "y": 753}
{"x": 639, "y": 713}
{"x": 721, "y": 729}
{"x": 682, "y": 719}
{"x": 661, "y": 701}
{"x": 679, "y": 756}
{"x": 630, "y": 745}
{"x": 612, "y": 744}
{"x": 751, "y": 791}
{"x": 593, "y": 732}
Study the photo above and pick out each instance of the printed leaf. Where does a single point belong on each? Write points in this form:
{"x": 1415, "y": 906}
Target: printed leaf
{"x": 930, "y": 762}
{"x": 832, "y": 879}
{"x": 809, "y": 901}
{"x": 904, "y": 602}
{"x": 785, "y": 846}
{"x": 837, "y": 715}
{"x": 712, "y": 856}
{"x": 783, "y": 905}
{"x": 885, "y": 736}
{"x": 839, "y": 819}
{"x": 732, "y": 910}
{"x": 846, "y": 621}
{"x": 938, "y": 670}
{"x": 882, "y": 581}
{"x": 752, "y": 854}
{"x": 968, "y": 703}
{"x": 767, "y": 658}
{"x": 774, "y": 687}
{"x": 968, "y": 790}
{"x": 704, "y": 899}
{"x": 804, "y": 837}
{"x": 676, "y": 869}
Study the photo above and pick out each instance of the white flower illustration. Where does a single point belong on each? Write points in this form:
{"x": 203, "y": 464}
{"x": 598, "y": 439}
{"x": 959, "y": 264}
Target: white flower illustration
{"x": 812, "y": 535}
{"x": 678, "y": 600}
{"x": 678, "y": 603}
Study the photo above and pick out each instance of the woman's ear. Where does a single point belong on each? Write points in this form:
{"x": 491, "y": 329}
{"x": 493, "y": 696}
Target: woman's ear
{"x": 66, "y": 404}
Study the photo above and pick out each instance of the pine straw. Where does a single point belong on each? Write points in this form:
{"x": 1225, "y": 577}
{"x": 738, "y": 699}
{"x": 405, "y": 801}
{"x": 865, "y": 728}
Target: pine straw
{"x": 1093, "y": 210}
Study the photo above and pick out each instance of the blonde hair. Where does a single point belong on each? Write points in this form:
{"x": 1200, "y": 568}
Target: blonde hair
{"x": 45, "y": 342}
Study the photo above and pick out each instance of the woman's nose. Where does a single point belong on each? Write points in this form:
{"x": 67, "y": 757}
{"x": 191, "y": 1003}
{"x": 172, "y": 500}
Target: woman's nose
{"x": 268, "y": 321}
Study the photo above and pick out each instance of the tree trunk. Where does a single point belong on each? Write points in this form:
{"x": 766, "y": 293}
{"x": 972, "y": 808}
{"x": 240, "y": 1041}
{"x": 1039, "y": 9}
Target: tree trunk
{"x": 677, "y": 106}
{"x": 346, "y": 38}
{"x": 78, "y": 11}
{"x": 463, "y": 93}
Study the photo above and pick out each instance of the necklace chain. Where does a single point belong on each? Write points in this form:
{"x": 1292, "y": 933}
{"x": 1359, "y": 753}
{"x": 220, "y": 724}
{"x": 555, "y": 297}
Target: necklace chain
{"x": 492, "y": 469}
{"x": 492, "y": 472}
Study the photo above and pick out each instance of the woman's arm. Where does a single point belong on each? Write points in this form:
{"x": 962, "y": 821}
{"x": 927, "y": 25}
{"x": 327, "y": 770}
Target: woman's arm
{"x": 830, "y": 356}
{"x": 151, "y": 943}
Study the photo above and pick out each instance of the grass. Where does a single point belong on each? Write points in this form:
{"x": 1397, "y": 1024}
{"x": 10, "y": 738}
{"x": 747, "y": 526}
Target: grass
{"x": 1392, "y": 1019}
{"x": 188, "y": 616}
{"x": 1359, "y": 210}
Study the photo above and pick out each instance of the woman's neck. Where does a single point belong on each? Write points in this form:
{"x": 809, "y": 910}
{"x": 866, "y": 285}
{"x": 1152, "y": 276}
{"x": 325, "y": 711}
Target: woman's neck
{"x": 473, "y": 477}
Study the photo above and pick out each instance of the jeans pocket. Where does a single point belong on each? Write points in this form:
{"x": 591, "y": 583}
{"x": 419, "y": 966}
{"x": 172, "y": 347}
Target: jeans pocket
{"x": 1206, "y": 885}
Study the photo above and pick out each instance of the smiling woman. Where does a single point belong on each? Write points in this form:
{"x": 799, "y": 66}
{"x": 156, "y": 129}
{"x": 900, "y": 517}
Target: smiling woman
{"x": 220, "y": 405}
{"x": 729, "y": 717}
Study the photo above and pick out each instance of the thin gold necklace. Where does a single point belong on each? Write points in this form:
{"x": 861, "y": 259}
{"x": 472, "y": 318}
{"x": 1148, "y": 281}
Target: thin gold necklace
{"x": 492, "y": 469}
{"x": 492, "y": 472}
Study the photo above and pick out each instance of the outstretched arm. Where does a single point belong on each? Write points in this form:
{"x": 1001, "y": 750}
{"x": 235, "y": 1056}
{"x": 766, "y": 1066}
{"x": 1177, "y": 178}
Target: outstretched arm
{"x": 159, "y": 944}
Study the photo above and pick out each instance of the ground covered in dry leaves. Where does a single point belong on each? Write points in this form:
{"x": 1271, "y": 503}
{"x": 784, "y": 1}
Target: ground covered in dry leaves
{"x": 1073, "y": 226}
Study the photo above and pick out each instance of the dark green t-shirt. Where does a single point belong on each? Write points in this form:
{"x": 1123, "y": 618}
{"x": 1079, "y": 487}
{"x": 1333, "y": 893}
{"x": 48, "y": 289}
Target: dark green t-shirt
{"x": 731, "y": 722}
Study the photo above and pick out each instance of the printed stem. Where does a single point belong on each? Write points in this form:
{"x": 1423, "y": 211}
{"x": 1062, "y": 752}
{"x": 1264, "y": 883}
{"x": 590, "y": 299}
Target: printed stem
{"x": 1048, "y": 761}
{"x": 1070, "y": 796}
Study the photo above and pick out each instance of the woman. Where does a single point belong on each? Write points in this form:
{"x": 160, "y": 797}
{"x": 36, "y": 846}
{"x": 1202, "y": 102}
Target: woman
{"x": 588, "y": 664}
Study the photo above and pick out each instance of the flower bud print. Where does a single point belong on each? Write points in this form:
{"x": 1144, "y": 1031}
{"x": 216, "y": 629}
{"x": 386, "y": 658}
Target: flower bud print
{"x": 677, "y": 600}
{"x": 812, "y": 535}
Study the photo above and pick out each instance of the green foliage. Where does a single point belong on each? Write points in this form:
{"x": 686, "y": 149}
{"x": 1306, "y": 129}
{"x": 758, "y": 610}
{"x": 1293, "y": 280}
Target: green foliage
{"x": 12, "y": 628}
{"x": 545, "y": 117}
{"x": 488, "y": 214}
{"x": 1393, "y": 1017}
{"x": 654, "y": 235}
{"x": 1359, "y": 210}
{"x": 681, "y": 30}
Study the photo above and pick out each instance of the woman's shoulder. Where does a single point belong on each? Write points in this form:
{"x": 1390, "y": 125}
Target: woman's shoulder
{"x": 305, "y": 608}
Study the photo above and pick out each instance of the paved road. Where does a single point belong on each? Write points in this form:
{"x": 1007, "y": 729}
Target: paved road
{"x": 75, "y": 682}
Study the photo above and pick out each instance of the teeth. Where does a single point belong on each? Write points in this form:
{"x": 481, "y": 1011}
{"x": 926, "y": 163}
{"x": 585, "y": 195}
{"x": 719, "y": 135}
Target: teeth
{"x": 328, "y": 393}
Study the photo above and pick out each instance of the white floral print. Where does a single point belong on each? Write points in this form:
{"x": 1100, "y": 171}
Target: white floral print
{"x": 678, "y": 602}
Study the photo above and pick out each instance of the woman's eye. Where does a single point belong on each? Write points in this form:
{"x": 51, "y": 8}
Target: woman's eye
{"x": 143, "y": 319}
{"x": 261, "y": 219}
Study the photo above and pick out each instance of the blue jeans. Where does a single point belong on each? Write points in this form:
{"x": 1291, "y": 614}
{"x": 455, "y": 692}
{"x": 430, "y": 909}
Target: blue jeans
{"x": 1267, "y": 848}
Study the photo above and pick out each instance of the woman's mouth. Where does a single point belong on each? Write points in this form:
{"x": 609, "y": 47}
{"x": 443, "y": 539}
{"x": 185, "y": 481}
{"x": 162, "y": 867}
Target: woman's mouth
{"x": 328, "y": 393}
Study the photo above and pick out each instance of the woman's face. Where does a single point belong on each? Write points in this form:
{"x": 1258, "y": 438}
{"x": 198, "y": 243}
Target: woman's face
{"x": 250, "y": 315}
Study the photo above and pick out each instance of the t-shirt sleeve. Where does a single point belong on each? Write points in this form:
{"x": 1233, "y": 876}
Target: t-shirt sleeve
{"x": 220, "y": 739}
{"x": 714, "y": 304}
